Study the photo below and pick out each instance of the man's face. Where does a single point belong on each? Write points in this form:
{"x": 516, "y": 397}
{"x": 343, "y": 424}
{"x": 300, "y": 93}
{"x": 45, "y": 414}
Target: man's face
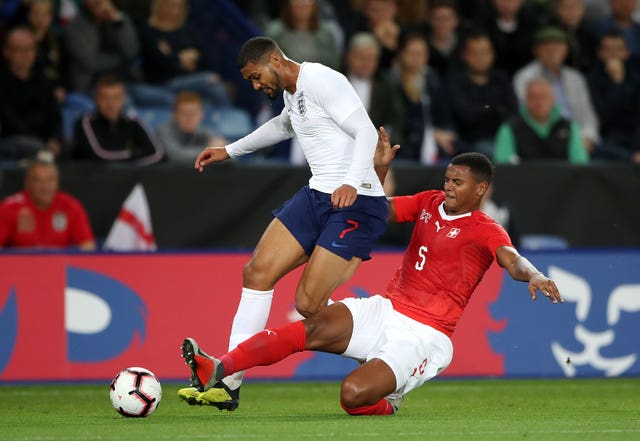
{"x": 551, "y": 54}
{"x": 40, "y": 15}
{"x": 539, "y": 100}
{"x": 188, "y": 115}
{"x": 478, "y": 55}
{"x": 570, "y": 12}
{"x": 622, "y": 8}
{"x": 613, "y": 48}
{"x": 362, "y": 61}
{"x": 110, "y": 101}
{"x": 20, "y": 51}
{"x": 463, "y": 192}
{"x": 444, "y": 21}
{"x": 41, "y": 184}
{"x": 264, "y": 78}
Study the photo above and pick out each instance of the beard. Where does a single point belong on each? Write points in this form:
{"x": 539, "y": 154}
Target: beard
{"x": 276, "y": 90}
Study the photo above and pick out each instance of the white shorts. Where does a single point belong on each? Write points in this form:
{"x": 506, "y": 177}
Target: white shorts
{"x": 414, "y": 351}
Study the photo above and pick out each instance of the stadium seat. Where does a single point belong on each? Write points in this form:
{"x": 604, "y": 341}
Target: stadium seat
{"x": 153, "y": 117}
{"x": 231, "y": 122}
{"x": 75, "y": 105}
{"x": 543, "y": 242}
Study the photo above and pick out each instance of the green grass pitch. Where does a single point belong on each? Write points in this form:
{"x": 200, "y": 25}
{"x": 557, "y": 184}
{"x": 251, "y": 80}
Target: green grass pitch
{"x": 448, "y": 410}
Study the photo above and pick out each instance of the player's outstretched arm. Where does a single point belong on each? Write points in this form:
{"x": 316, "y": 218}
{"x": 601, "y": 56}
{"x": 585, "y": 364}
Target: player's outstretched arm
{"x": 519, "y": 268}
{"x": 210, "y": 155}
{"x": 384, "y": 154}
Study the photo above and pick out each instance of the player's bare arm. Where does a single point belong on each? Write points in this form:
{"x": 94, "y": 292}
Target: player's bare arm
{"x": 384, "y": 154}
{"x": 519, "y": 268}
{"x": 210, "y": 155}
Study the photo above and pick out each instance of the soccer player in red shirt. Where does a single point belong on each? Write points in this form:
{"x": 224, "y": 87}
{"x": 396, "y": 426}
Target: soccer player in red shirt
{"x": 402, "y": 336}
{"x": 40, "y": 216}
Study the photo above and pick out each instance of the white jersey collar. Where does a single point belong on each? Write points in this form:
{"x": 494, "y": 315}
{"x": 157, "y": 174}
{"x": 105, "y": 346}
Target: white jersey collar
{"x": 446, "y": 217}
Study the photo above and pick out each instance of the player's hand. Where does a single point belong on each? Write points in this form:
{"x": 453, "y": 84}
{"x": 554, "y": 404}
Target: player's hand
{"x": 344, "y": 196}
{"x": 384, "y": 154}
{"x": 546, "y": 286}
{"x": 210, "y": 155}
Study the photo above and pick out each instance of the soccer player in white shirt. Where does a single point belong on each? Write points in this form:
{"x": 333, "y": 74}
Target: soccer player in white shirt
{"x": 330, "y": 224}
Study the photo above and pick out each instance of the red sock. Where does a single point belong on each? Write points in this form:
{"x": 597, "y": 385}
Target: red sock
{"x": 265, "y": 348}
{"x": 382, "y": 407}
{"x": 204, "y": 367}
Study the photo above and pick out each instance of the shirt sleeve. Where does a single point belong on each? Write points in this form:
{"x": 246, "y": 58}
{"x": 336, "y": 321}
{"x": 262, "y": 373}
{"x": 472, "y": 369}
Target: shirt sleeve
{"x": 497, "y": 237}
{"x": 408, "y": 207}
{"x": 6, "y": 225}
{"x": 361, "y": 128}
{"x": 577, "y": 151}
{"x": 80, "y": 227}
{"x": 504, "y": 151}
{"x": 272, "y": 132}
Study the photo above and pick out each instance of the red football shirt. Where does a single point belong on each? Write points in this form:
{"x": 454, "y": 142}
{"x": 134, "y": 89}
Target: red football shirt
{"x": 445, "y": 260}
{"x": 65, "y": 223}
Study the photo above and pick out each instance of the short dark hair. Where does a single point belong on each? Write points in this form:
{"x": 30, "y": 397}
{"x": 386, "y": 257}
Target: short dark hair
{"x": 254, "y": 50}
{"x": 481, "y": 166}
{"x": 109, "y": 79}
{"x": 474, "y": 34}
{"x": 612, "y": 33}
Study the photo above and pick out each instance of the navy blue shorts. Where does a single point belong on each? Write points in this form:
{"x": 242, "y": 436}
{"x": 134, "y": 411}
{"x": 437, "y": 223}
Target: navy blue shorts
{"x": 347, "y": 232}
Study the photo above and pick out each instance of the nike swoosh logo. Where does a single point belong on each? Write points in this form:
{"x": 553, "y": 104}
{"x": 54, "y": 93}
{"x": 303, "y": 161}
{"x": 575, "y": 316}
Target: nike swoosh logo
{"x": 337, "y": 245}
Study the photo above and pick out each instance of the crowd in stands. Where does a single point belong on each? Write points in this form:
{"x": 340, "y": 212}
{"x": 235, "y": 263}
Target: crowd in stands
{"x": 134, "y": 82}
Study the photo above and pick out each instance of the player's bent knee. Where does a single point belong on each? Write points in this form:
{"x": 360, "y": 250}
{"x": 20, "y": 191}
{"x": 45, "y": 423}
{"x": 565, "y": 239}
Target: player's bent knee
{"x": 354, "y": 395}
{"x": 307, "y": 307}
{"x": 256, "y": 276}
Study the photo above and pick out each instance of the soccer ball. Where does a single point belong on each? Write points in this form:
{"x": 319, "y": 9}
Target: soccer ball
{"x": 135, "y": 392}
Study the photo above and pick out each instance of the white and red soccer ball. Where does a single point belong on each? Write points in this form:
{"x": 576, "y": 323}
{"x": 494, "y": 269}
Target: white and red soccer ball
{"x": 135, "y": 392}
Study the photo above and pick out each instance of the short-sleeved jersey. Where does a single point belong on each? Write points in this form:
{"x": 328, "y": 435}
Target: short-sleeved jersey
{"x": 323, "y": 100}
{"x": 65, "y": 223}
{"x": 445, "y": 260}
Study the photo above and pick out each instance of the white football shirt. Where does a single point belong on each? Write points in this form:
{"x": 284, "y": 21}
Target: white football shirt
{"x": 323, "y": 100}
{"x": 330, "y": 122}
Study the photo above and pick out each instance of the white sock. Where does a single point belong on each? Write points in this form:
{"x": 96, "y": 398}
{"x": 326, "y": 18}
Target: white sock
{"x": 251, "y": 317}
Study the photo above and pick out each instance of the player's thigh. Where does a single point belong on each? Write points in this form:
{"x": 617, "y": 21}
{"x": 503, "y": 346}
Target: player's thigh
{"x": 330, "y": 330}
{"x": 415, "y": 352}
{"x": 324, "y": 272}
{"x": 277, "y": 253}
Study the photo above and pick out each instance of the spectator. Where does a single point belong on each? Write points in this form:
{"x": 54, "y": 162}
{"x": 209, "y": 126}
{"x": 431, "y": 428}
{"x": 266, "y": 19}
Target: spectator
{"x": 303, "y": 35}
{"x": 615, "y": 88}
{"x": 569, "y": 85}
{"x": 481, "y": 97}
{"x": 109, "y": 135}
{"x": 184, "y": 136}
{"x": 510, "y": 25}
{"x": 172, "y": 59}
{"x": 101, "y": 39}
{"x": 29, "y": 114}
{"x": 539, "y": 131}
{"x": 41, "y": 216}
{"x": 379, "y": 17}
{"x": 428, "y": 123}
{"x": 621, "y": 20}
{"x": 50, "y": 59}
{"x": 443, "y": 36}
{"x": 568, "y": 15}
{"x": 376, "y": 89}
